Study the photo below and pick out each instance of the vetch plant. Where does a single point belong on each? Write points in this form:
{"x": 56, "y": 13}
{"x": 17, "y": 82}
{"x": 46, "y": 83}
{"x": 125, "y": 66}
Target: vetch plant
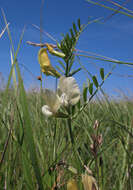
{"x": 68, "y": 94}
{"x": 67, "y": 102}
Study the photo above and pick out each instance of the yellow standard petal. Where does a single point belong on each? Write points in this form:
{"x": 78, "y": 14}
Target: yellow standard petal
{"x": 72, "y": 185}
{"x": 45, "y": 64}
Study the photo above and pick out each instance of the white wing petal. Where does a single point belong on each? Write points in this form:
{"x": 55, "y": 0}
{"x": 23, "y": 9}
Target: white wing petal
{"x": 52, "y": 100}
{"x": 64, "y": 99}
{"x": 46, "y": 111}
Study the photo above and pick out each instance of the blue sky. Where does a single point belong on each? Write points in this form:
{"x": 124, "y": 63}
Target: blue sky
{"x": 112, "y": 39}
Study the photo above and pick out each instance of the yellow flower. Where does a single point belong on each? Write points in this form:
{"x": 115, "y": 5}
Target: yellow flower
{"x": 45, "y": 64}
{"x": 54, "y": 52}
{"x": 72, "y": 185}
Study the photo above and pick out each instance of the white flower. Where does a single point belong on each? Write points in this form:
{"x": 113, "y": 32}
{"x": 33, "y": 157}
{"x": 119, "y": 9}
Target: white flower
{"x": 52, "y": 101}
{"x": 68, "y": 93}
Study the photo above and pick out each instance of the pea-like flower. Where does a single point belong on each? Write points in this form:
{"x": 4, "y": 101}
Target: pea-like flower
{"x": 52, "y": 101}
{"x": 68, "y": 93}
{"x": 45, "y": 64}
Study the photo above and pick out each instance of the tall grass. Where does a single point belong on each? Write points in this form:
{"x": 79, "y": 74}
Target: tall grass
{"x": 54, "y": 151}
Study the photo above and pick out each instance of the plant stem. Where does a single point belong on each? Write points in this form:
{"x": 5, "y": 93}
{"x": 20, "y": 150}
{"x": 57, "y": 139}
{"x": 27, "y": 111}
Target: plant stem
{"x": 70, "y": 130}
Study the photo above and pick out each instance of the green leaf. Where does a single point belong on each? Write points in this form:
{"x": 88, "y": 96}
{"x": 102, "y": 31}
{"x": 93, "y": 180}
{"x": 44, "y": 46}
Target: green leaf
{"x": 62, "y": 64}
{"x": 102, "y": 73}
{"x": 95, "y": 81}
{"x": 74, "y": 28}
{"x": 57, "y": 67}
{"x": 68, "y": 41}
{"x": 79, "y": 25}
{"x": 71, "y": 63}
{"x": 27, "y": 171}
{"x": 73, "y": 110}
{"x": 61, "y": 115}
{"x": 91, "y": 88}
{"x": 72, "y": 34}
{"x": 63, "y": 47}
{"x": 79, "y": 105}
{"x": 85, "y": 94}
{"x": 74, "y": 72}
{"x": 29, "y": 139}
{"x": 58, "y": 45}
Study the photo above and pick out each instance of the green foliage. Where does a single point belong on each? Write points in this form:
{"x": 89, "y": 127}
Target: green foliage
{"x": 85, "y": 90}
{"x": 27, "y": 139}
{"x": 74, "y": 72}
{"x": 95, "y": 81}
{"x": 102, "y": 73}
{"x": 52, "y": 145}
{"x": 67, "y": 46}
{"x": 91, "y": 88}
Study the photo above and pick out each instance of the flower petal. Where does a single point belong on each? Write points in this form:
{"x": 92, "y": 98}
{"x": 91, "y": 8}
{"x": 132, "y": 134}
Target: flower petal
{"x": 45, "y": 64}
{"x": 69, "y": 86}
{"x": 46, "y": 111}
{"x": 64, "y": 99}
{"x": 52, "y": 100}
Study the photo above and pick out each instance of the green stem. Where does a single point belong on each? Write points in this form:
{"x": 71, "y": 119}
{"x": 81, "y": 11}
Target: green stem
{"x": 69, "y": 122}
{"x": 76, "y": 154}
{"x": 124, "y": 165}
{"x": 66, "y": 73}
{"x": 97, "y": 170}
